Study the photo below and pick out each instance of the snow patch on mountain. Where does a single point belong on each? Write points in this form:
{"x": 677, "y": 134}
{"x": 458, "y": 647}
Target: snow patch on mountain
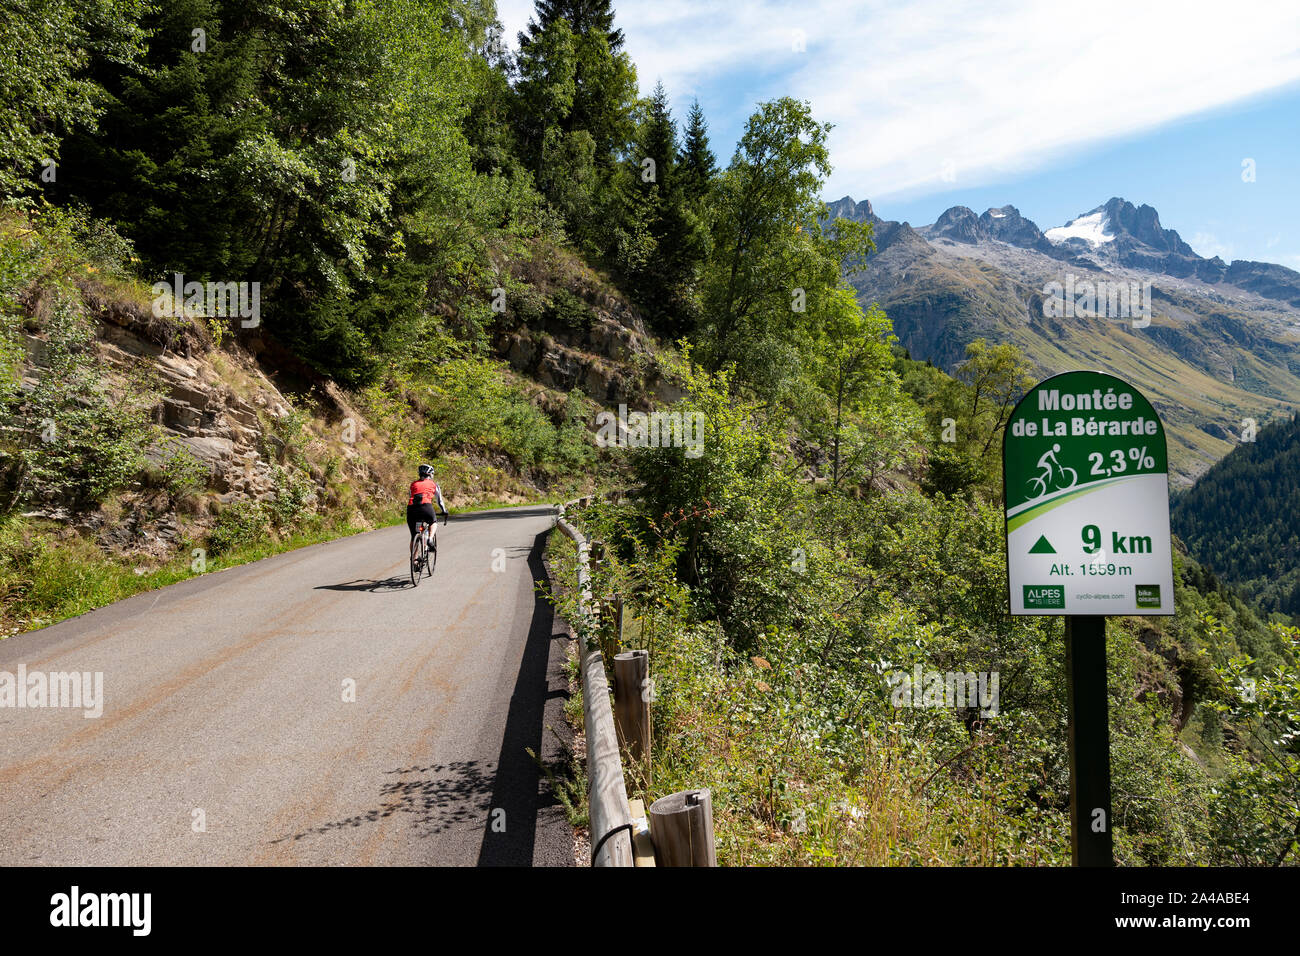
{"x": 1093, "y": 228}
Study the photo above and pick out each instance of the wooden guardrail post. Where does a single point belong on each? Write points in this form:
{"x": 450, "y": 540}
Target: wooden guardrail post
{"x": 681, "y": 826}
{"x": 632, "y": 702}
{"x": 642, "y": 846}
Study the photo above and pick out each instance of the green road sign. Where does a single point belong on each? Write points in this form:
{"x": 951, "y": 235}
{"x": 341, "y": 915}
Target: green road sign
{"x": 1086, "y": 475}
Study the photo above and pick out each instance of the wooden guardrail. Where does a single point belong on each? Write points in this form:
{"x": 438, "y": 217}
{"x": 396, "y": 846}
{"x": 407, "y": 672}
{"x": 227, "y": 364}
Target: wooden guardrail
{"x": 611, "y": 819}
{"x": 678, "y": 828}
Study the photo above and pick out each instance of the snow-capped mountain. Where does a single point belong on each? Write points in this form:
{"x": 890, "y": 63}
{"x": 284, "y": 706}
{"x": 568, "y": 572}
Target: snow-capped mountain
{"x": 1092, "y": 228}
{"x": 1222, "y": 343}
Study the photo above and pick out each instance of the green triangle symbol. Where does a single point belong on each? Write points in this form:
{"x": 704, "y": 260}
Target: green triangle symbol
{"x": 1042, "y": 546}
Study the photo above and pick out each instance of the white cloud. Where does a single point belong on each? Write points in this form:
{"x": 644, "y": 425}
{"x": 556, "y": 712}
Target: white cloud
{"x": 983, "y": 89}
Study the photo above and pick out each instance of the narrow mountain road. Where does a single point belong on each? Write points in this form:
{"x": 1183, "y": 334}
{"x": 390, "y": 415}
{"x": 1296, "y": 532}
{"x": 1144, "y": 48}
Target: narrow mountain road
{"x": 227, "y": 736}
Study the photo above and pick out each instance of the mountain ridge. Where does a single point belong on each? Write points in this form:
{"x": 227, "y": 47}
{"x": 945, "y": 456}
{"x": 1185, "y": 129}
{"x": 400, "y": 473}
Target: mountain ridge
{"x": 1217, "y": 344}
{"x": 1141, "y": 242}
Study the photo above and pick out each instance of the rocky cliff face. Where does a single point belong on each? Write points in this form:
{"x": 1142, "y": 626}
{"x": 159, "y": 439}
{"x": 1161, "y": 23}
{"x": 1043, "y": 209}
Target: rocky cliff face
{"x": 199, "y": 406}
{"x": 204, "y": 414}
{"x": 586, "y": 338}
{"x": 219, "y": 406}
{"x": 259, "y": 425}
{"x": 959, "y": 224}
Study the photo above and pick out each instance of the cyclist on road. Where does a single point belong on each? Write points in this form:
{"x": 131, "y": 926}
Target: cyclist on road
{"x": 424, "y": 494}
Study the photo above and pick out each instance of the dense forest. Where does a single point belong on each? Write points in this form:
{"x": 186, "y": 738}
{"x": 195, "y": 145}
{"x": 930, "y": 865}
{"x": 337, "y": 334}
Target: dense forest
{"x": 400, "y": 179}
{"x": 1242, "y": 518}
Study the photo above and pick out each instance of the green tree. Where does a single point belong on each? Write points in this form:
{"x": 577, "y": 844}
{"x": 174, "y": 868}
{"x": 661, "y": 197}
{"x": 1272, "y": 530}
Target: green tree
{"x": 660, "y": 241}
{"x": 162, "y": 166}
{"x": 315, "y": 148}
{"x": 657, "y": 141}
{"x": 582, "y": 16}
{"x": 970, "y": 413}
{"x": 489, "y": 120}
{"x": 46, "y": 49}
{"x": 547, "y": 78}
{"x": 870, "y": 425}
{"x": 576, "y": 110}
{"x": 696, "y": 162}
{"x": 726, "y": 510}
{"x": 774, "y": 263}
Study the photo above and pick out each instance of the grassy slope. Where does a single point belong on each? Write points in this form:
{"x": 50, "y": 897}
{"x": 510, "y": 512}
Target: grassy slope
{"x": 941, "y": 305}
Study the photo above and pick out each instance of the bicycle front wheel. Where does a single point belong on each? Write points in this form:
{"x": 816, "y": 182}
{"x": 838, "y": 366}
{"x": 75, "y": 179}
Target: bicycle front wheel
{"x": 432, "y": 557}
{"x": 417, "y": 559}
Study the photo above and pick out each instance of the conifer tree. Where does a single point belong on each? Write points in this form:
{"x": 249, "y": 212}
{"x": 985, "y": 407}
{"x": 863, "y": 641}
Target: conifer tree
{"x": 697, "y": 163}
{"x": 583, "y": 16}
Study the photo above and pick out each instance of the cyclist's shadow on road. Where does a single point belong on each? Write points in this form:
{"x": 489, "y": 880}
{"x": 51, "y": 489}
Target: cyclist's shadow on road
{"x": 395, "y": 583}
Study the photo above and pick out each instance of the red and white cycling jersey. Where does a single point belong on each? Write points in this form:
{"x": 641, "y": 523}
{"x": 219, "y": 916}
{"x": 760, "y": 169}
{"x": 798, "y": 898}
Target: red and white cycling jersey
{"x": 425, "y": 491}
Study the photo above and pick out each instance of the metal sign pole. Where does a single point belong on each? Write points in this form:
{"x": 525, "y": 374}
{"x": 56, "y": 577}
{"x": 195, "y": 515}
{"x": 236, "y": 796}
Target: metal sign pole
{"x": 1089, "y": 733}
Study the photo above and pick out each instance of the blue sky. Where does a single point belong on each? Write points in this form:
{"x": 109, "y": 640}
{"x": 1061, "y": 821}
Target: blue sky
{"x": 1052, "y": 106}
{"x": 1189, "y": 170}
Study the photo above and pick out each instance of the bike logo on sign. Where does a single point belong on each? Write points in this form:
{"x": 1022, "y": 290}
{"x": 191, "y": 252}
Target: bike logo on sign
{"x": 1053, "y": 476}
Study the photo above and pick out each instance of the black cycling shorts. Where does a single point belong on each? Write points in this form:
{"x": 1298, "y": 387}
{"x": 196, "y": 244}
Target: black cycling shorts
{"x": 416, "y": 513}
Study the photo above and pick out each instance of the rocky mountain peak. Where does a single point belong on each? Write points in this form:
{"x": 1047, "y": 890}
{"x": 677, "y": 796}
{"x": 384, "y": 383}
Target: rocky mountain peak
{"x": 1127, "y": 229}
{"x": 1117, "y": 232}
{"x": 960, "y": 224}
{"x": 846, "y": 208}
{"x": 1007, "y": 225}
{"x": 1143, "y": 224}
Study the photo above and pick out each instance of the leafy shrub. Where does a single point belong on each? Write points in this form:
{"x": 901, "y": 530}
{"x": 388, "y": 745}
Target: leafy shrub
{"x": 77, "y": 439}
{"x": 568, "y": 311}
{"x": 952, "y": 472}
{"x": 239, "y": 524}
{"x": 294, "y": 496}
{"x": 182, "y": 473}
{"x": 284, "y": 437}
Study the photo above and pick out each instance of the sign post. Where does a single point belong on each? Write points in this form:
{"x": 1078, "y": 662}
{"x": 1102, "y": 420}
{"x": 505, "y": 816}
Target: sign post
{"x": 1089, "y": 739}
{"x": 1086, "y": 480}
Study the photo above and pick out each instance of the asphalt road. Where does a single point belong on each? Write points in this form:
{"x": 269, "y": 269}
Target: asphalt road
{"x": 226, "y": 737}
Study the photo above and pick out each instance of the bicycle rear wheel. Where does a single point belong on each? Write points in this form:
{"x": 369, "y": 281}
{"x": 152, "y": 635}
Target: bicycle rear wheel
{"x": 417, "y": 559}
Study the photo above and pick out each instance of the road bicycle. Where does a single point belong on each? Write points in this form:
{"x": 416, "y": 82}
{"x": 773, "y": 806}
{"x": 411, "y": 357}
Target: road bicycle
{"x": 424, "y": 550}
